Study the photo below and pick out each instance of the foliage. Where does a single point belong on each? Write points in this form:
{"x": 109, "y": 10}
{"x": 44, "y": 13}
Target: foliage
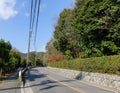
{"x": 51, "y": 53}
{"x": 39, "y": 55}
{"x": 105, "y": 64}
{"x": 14, "y": 59}
{"x": 23, "y": 62}
{"x": 5, "y": 48}
{"x": 65, "y": 36}
{"x": 91, "y": 28}
{"x": 39, "y": 62}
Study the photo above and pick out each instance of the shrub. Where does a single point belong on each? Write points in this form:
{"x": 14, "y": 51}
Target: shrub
{"x": 105, "y": 64}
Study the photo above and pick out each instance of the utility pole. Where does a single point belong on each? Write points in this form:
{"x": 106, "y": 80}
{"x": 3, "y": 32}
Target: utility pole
{"x": 29, "y": 39}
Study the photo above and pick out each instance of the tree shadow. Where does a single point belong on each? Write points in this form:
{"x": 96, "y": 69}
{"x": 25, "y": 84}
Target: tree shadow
{"x": 49, "y": 87}
{"x": 33, "y": 76}
{"x": 11, "y": 88}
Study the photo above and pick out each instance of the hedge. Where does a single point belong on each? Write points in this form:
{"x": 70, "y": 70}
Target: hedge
{"x": 105, "y": 64}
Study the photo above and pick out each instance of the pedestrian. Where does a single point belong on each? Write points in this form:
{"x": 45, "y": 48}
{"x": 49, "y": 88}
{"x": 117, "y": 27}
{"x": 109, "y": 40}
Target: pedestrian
{"x": 23, "y": 78}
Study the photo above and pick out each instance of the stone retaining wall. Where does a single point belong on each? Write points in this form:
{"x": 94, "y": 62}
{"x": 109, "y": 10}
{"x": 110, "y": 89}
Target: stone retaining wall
{"x": 112, "y": 81}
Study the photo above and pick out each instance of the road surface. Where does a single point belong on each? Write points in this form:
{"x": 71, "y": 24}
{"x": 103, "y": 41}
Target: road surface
{"x": 10, "y": 85}
{"x": 41, "y": 80}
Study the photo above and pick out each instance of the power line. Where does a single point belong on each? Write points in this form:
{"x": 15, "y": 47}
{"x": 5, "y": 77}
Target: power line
{"x": 33, "y": 15}
{"x": 38, "y": 12}
{"x": 30, "y": 30}
{"x": 31, "y": 7}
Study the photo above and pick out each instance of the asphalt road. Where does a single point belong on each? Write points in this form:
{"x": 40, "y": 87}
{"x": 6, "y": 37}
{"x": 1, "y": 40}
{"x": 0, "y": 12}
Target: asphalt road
{"x": 10, "y": 85}
{"x": 41, "y": 80}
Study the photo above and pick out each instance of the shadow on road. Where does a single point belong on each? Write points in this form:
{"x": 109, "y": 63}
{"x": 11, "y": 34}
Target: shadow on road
{"x": 10, "y": 83}
{"x": 49, "y": 87}
{"x": 32, "y": 75}
{"x": 41, "y": 80}
{"x": 10, "y": 88}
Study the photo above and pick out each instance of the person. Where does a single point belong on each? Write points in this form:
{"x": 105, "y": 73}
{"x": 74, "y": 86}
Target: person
{"x": 23, "y": 78}
{"x": 20, "y": 75}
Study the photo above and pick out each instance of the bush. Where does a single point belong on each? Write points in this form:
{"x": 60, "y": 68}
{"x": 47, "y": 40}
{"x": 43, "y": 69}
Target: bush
{"x": 105, "y": 64}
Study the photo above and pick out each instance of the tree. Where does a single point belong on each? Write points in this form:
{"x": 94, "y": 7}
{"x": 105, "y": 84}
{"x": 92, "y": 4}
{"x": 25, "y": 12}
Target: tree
{"x": 14, "y": 59}
{"x": 91, "y": 29}
{"x": 97, "y": 21}
{"x": 39, "y": 62}
{"x": 66, "y": 39}
{"x": 23, "y": 62}
{"x": 51, "y": 53}
{"x": 5, "y": 48}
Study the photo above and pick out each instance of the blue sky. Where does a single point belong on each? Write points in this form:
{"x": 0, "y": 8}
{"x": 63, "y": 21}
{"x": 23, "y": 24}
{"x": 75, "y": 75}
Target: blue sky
{"x": 14, "y": 22}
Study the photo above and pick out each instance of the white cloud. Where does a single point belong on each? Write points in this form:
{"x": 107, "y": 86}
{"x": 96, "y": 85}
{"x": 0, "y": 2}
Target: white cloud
{"x": 7, "y": 9}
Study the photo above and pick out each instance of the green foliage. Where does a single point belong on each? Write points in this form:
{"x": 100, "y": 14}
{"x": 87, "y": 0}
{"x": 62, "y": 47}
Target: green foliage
{"x": 105, "y": 64}
{"x": 39, "y": 62}
{"x": 23, "y": 63}
{"x": 5, "y": 48}
{"x": 32, "y": 55}
{"x": 91, "y": 29}
{"x": 14, "y": 59}
{"x": 65, "y": 37}
{"x": 68, "y": 54}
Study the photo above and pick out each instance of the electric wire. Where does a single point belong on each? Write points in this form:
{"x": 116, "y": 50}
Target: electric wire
{"x": 30, "y": 30}
{"x": 36, "y": 29}
{"x": 34, "y": 16}
{"x": 31, "y": 8}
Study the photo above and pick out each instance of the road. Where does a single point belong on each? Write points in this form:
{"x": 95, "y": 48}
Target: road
{"x": 10, "y": 85}
{"x": 41, "y": 80}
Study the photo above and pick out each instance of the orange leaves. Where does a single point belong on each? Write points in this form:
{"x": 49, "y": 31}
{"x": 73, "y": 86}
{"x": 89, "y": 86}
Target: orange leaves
{"x": 55, "y": 57}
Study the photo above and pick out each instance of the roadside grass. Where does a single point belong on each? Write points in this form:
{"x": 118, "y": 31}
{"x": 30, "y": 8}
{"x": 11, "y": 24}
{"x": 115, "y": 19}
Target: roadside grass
{"x": 105, "y": 64}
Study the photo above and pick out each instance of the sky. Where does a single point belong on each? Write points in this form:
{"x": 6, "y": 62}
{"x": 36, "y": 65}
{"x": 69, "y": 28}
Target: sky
{"x": 15, "y": 19}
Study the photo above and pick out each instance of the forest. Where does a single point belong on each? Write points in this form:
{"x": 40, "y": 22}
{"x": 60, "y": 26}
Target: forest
{"x": 11, "y": 59}
{"x": 90, "y": 29}
{"x": 87, "y": 37}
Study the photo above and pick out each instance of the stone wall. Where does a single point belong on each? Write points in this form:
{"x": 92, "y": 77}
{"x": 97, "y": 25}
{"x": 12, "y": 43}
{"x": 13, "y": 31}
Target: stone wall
{"x": 112, "y": 81}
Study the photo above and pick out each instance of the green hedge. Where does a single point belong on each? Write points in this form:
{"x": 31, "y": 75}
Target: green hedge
{"x": 105, "y": 64}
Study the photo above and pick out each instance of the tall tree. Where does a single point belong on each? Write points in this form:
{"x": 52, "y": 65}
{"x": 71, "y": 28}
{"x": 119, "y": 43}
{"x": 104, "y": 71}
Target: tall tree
{"x": 97, "y": 21}
{"x": 5, "y": 48}
{"x": 66, "y": 39}
{"x": 14, "y": 59}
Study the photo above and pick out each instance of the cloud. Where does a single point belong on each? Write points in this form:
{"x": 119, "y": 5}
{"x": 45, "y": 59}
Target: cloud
{"x": 7, "y": 9}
